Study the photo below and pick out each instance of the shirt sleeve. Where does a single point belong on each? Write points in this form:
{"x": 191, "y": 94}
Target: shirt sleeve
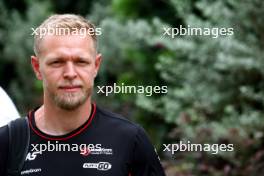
{"x": 145, "y": 160}
{"x": 3, "y": 149}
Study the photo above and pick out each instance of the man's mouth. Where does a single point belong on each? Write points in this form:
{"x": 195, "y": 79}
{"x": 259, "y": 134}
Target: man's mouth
{"x": 70, "y": 88}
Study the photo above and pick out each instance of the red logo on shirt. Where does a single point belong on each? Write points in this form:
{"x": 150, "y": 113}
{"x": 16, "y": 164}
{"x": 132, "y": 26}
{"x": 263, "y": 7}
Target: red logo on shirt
{"x": 85, "y": 151}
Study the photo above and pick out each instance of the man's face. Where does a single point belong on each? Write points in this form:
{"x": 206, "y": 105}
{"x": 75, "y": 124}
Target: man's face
{"x": 67, "y": 65}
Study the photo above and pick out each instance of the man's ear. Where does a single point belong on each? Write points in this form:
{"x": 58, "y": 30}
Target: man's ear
{"x": 35, "y": 66}
{"x": 98, "y": 60}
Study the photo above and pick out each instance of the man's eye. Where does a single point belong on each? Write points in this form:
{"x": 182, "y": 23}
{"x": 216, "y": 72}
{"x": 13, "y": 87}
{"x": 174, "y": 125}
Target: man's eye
{"x": 82, "y": 62}
{"x": 56, "y": 63}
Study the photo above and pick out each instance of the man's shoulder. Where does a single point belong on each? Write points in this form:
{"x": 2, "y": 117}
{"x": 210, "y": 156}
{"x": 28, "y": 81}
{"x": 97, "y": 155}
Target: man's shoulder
{"x": 3, "y": 134}
{"x": 3, "y": 148}
{"x": 4, "y": 141}
{"x": 17, "y": 128}
{"x": 117, "y": 121}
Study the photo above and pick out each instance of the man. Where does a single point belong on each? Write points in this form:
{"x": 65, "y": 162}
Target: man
{"x": 70, "y": 135}
{"x": 8, "y": 110}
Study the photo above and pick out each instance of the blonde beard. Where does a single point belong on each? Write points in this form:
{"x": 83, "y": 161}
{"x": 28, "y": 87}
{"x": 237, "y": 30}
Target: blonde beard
{"x": 70, "y": 101}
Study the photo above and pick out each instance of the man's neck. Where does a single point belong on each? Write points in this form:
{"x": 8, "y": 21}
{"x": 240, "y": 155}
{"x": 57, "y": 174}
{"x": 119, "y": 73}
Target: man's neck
{"x": 53, "y": 120}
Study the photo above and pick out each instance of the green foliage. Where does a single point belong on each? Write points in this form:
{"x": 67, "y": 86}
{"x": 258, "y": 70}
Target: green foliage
{"x": 18, "y": 44}
{"x": 216, "y": 85}
{"x": 125, "y": 8}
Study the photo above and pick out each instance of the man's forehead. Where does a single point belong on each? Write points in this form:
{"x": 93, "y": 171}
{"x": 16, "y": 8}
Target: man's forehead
{"x": 65, "y": 52}
{"x": 72, "y": 43}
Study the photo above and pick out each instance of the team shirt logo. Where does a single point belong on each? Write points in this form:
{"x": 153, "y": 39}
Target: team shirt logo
{"x": 98, "y": 150}
{"x": 102, "y": 166}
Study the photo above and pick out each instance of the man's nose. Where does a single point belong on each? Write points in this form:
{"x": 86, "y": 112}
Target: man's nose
{"x": 69, "y": 71}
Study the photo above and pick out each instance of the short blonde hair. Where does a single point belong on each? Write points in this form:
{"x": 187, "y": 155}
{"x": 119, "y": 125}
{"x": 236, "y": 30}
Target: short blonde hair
{"x": 66, "y": 21}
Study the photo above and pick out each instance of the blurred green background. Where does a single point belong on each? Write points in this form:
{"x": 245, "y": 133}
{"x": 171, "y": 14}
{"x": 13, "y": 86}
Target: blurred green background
{"x": 215, "y": 86}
